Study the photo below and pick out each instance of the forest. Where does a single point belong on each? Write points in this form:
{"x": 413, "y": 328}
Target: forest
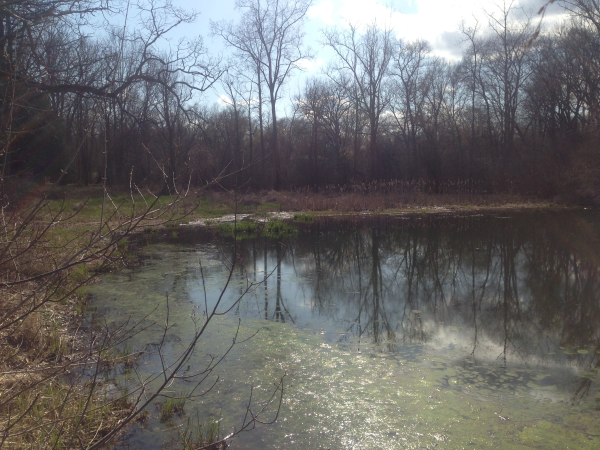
{"x": 91, "y": 93}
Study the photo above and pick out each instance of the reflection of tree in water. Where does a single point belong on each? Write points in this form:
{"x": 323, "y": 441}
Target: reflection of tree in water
{"x": 270, "y": 273}
{"x": 280, "y": 310}
{"x": 349, "y": 266}
{"x": 514, "y": 289}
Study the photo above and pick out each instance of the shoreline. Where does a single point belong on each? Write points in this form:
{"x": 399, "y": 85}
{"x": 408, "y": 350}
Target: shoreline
{"x": 451, "y": 210}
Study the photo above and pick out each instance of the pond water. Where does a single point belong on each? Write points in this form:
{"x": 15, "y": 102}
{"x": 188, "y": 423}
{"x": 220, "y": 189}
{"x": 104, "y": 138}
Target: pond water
{"x": 393, "y": 332}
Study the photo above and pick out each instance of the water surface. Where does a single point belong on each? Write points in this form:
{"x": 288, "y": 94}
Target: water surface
{"x": 422, "y": 332}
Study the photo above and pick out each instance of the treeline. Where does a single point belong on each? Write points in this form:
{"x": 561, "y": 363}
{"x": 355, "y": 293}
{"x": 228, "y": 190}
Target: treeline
{"x": 519, "y": 113}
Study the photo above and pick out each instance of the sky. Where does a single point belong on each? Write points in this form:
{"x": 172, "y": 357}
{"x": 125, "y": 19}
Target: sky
{"x": 436, "y": 21}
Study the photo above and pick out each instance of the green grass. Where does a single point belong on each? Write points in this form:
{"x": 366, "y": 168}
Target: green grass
{"x": 86, "y": 204}
{"x": 278, "y": 228}
{"x": 304, "y": 218}
{"x": 248, "y": 229}
{"x": 210, "y": 209}
{"x": 242, "y": 230}
{"x": 172, "y": 406}
{"x": 200, "y": 433}
{"x": 80, "y": 273}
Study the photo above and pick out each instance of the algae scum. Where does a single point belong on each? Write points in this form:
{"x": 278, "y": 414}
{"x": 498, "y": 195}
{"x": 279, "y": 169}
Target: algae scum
{"x": 433, "y": 332}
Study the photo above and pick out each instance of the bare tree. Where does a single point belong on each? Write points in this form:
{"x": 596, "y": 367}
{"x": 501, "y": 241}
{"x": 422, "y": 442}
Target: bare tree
{"x": 586, "y": 10}
{"x": 336, "y": 122}
{"x": 325, "y": 105}
{"x": 365, "y": 57}
{"x": 235, "y": 104}
{"x": 409, "y": 74}
{"x": 311, "y": 108}
{"x": 471, "y": 58}
{"x": 505, "y": 70}
{"x": 270, "y": 34}
{"x": 437, "y": 80}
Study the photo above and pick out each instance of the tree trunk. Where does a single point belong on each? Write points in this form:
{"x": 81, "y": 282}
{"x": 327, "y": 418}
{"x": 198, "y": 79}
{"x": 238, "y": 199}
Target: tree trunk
{"x": 275, "y": 145}
{"x": 260, "y": 124}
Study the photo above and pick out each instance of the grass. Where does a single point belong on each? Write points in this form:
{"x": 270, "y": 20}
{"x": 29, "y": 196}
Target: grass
{"x": 278, "y": 228}
{"x": 390, "y": 196}
{"x": 47, "y": 399}
{"x": 201, "y": 433}
{"x": 172, "y": 406}
{"x": 304, "y": 218}
{"x": 86, "y": 205}
{"x": 119, "y": 353}
{"x": 45, "y": 419}
{"x": 355, "y": 202}
{"x": 249, "y": 229}
{"x": 79, "y": 274}
{"x": 48, "y": 403}
{"x": 57, "y": 346}
{"x": 241, "y": 228}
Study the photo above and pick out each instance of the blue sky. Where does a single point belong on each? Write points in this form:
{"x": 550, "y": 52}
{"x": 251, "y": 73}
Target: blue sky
{"x": 436, "y": 21}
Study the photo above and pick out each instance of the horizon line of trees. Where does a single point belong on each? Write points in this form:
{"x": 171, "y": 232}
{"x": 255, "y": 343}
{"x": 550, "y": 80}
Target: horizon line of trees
{"x": 518, "y": 113}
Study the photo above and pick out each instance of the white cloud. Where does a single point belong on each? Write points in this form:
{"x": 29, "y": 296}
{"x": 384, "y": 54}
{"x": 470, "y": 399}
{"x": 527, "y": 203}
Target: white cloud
{"x": 323, "y": 11}
{"x": 224, "y": 100}
{"x": 432, "y": 17}
{"x": 435, "y": 20}
{"x": 310, "y": 64}
{"x": 432, "y": 20}
{"x": 366, "y": 12}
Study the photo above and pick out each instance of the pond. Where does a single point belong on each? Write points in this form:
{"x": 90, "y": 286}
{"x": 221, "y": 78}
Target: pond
{"x": 392, "y": 332}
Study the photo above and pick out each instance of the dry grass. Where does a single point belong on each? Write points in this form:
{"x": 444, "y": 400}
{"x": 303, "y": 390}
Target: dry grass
{"x": 393, "y": 195}
{"x": 50, "y": 412}
{"x": 380, "y": 202}
{"x": 43, "y": 390}
{"x": 50, "y": 396}
{"x": 364, "y": 197}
